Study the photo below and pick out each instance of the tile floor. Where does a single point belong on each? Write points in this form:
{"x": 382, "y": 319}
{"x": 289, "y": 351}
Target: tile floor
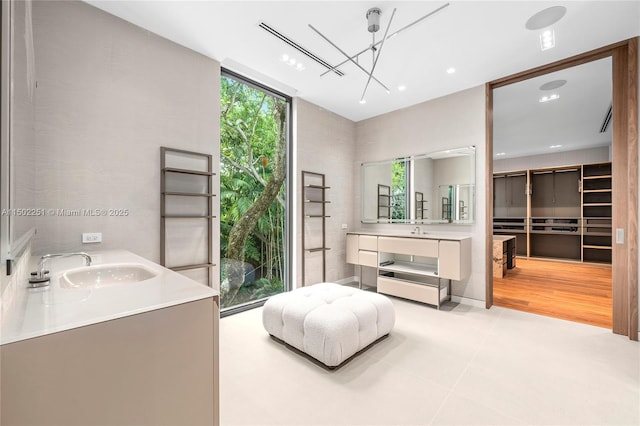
{"x": 458, "y": 366}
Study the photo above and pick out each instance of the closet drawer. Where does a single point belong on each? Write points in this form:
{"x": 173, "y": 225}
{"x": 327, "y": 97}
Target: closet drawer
{"x": 408, "y": 290}
{"x": 368, "y": 258}
{"x": 410, "y": 246}
{"x": 368, "y": 242}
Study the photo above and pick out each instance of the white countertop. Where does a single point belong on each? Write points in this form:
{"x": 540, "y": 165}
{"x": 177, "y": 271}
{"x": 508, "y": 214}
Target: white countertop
{"x": 407, "y": 234}
{"x": 36, "y": 312}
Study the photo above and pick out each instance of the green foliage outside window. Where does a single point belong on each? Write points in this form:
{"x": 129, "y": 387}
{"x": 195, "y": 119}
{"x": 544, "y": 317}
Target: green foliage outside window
{"x": 252, "y": 193}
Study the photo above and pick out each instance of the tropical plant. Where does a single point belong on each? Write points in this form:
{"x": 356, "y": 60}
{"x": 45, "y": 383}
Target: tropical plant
{"x": 252, "y": 191}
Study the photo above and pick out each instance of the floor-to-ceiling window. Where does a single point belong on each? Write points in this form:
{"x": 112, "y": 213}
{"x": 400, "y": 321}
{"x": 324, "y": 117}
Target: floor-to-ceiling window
{"x": 254, "y": 130}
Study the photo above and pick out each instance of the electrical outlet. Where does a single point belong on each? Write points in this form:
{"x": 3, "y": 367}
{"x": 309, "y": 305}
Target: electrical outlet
{"x": 344, "y": 226}
{"x": 91, "y": 237}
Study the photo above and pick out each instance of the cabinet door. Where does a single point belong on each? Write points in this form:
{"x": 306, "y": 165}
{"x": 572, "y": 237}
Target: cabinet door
{"x": 352, "y": 249}
{"x": 454, "y": 262}
{"x": 500, "y": 203}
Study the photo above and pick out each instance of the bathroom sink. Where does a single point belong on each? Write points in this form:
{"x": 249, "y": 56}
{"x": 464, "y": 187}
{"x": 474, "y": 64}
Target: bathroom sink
{"x": 105, "y": 275}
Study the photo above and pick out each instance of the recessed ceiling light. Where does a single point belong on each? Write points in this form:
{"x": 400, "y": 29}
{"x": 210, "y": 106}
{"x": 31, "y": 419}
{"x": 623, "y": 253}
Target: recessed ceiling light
{"x": 500, "y": 154}
{"x": 402, "y": 87}
{"x": 284, "y": 58}
{"x": 547, "y": 39}
{"x": 362, "y": 101}
{"x": 555, "y": 84}
{"x": 555, "y": 146}
{"x": 451, "y": 70}
{"x": 551, "y": 97}
{"x": 545, "y": 18}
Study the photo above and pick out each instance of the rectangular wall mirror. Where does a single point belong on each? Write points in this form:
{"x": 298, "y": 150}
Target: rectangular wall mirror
{"x": 433, "y": 188}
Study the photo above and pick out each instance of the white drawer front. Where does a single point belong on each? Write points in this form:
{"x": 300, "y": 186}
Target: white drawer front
{"x": 368, "y": 242}
{"x": 407, "y": 290}
{"x": 352, "y": 249}
{"x": 368, "y": 258}
{"x": 410, "y": 246}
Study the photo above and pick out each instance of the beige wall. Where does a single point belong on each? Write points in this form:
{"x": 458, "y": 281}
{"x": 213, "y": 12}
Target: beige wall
{"x": 453, "y": 121}
{"x": 108, "y": 95}
{"x": 325, "y": 143}
{"x": 22, "y": 127}
{"x": 566, "y": 158}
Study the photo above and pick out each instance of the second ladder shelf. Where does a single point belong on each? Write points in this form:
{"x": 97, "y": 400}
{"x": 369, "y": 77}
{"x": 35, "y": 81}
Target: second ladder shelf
{"x": 314, "y": 216}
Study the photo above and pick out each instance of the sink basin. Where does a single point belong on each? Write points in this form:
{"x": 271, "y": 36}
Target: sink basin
{"x": 105, "y": 275}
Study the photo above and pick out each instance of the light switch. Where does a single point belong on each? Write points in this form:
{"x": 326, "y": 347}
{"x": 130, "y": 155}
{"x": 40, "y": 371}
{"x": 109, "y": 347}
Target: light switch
{"x": 619, "y": 236}
{"x": 91, "y": 237}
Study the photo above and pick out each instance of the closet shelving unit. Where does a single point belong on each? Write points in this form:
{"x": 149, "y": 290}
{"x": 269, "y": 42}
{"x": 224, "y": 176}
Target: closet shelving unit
{"x": 562, "y": 212}
{"x": 186, "y": 211}
{"x": 596, "y": 212}
{"x": 510, "y": 207}
{"x": 314, "y": 217}
{"x": 555, "y": 221}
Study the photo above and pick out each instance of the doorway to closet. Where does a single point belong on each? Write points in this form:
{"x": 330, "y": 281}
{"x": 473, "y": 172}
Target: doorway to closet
{"x": 558, "y": 189}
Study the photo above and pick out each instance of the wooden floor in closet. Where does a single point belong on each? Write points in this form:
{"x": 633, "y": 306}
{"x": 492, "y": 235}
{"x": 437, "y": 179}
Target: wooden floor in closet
{"x": 571, "y": 291}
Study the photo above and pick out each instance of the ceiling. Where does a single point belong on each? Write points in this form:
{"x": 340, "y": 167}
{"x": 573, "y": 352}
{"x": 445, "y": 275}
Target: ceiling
{"x": 523, "y": 126}
{"x": 482, "y": 40}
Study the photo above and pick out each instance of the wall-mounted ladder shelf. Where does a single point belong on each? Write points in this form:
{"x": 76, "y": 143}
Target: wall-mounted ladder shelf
{"x": 186, "y": 213}
{"x": 314, "y": 216}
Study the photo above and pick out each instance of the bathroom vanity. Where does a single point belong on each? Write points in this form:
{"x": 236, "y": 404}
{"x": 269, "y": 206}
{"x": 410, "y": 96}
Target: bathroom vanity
{"x": 419, "y": 267}
{"x": 88, "y": 350}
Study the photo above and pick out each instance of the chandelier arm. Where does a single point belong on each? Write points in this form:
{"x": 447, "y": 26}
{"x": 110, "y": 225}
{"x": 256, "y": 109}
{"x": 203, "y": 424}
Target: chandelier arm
{"x": 388, "y": 37}
{"x": 350, "y": 59}
{"x": 433, "y": 12}
{"x": 375, "y": 62}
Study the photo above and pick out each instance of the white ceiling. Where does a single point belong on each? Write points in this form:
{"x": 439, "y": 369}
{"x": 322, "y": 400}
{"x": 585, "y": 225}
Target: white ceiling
{"x": 523, "y": 126}
{"x": 482, "y": 40}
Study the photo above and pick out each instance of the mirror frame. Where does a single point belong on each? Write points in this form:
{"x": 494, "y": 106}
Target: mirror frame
{"x": 469, "y": 151}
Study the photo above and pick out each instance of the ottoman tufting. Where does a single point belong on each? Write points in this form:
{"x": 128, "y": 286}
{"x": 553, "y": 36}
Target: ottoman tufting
{"x": 328, "y": 321}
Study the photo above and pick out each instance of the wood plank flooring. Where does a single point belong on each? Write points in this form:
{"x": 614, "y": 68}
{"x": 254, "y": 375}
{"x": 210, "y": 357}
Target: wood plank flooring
{"x": 571, "y": 291}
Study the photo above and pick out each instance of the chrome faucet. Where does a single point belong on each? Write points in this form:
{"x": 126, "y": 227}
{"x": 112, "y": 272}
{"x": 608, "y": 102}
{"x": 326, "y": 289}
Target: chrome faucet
{"x": 41, "y": 277}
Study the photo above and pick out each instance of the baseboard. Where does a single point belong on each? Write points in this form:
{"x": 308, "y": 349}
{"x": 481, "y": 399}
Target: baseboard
{"x": 468, "y": 301}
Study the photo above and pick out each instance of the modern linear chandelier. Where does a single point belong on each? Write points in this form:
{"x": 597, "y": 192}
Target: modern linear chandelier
{"x": 373, "y": 26}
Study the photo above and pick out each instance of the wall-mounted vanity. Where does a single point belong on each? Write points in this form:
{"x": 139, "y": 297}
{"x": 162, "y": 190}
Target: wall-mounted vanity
{"x": 418, "y": 267}
{"x": 433, "y": 188}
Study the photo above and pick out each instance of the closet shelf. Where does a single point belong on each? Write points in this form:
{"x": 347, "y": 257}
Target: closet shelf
{"x": 596, "y": 190}
{"x": 315, "y": 215}
{"x": 317, "y": 202}
{"x": 596, "y": 177}
{"x": 597, "y": 247}
{"x": 317, "y": 187}
{"x": 312, "y": 250}
{"x": 596, "y": 204}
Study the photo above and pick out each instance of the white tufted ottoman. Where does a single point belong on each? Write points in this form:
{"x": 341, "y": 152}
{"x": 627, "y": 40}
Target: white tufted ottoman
{"x": 327, "y": 321}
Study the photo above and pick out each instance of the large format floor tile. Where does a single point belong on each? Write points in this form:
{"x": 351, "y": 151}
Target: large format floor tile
{"x": 456, "y": 366}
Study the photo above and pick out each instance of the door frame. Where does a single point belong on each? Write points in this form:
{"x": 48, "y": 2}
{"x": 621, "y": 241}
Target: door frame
{"x": 625, "y": 169}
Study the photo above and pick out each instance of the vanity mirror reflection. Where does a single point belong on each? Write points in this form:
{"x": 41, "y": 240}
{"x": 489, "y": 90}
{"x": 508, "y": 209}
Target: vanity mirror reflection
{"x": 433, "y": 188}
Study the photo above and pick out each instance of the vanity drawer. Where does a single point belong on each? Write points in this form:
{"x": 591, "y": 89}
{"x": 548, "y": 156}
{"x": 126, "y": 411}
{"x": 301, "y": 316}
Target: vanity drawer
{"x": 411, "y": 246}
{"x": 408, "y": 290}
{"x": 368, "y": 242}
{"x": 368, "y": 258}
